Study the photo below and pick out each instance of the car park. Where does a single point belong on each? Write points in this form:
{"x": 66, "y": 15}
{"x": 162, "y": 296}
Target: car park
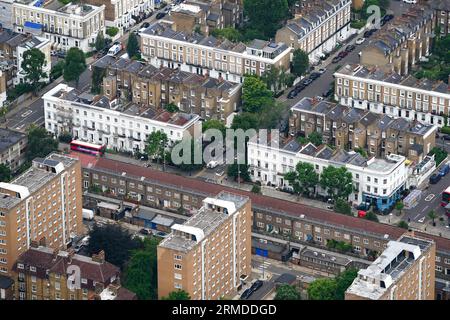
{"x": 360, "y": 40}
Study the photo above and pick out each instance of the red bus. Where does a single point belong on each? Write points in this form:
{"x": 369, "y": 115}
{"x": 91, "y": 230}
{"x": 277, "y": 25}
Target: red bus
{"x": 445, "y": 197}
{"x": 85, "y": 147}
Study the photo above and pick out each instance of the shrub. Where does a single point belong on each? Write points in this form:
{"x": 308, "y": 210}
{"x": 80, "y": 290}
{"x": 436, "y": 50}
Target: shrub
{"x": 65, "y": 137}
{"x": 445, "y": 130}
{"x": 112, "y": 31}
{"x": 358, "y": 24}
{"x": 256, "y": 189}
{"x": 18, "y": 90}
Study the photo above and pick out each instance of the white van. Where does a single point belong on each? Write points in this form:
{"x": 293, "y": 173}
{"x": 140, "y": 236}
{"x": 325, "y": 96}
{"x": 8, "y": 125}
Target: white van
{"x": 88, "y": 214}
{"x": 115, "y": 49}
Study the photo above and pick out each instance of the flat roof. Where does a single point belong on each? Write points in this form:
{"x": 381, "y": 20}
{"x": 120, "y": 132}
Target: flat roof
{"x": 9, "y": 138}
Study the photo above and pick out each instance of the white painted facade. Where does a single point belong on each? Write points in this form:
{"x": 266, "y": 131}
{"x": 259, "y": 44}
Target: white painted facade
{"x": 44, "y": 46}
{"x": 109, "y": 127}
{"x": 378, "y": 179}
{"x": 125, "y": 9}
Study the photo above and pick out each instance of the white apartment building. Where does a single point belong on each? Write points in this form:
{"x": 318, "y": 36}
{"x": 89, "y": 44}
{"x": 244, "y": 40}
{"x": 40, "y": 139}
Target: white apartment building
{"x": 44, "y": 46}
{"x": 378, "y": 181}
{"x": 373, "y": 89}
{"x": 195, "y": 53}
{"x": 96, "y": 119}
{"x": 320, "y": 26}
{"x": 66, "y": 26}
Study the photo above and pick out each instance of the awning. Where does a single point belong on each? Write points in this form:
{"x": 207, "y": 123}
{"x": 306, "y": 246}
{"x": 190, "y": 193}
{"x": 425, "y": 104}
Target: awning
{"x": 33, "y": 25}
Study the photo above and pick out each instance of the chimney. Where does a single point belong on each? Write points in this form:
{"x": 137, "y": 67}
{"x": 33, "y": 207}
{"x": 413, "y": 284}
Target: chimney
{"x": 55, "y": 254}
{"x": 99, "y": 257}
{"x": 43, "y": 242}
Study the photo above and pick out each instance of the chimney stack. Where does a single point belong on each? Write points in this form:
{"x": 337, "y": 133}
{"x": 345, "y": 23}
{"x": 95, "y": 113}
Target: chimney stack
{"x": 34, "y": 244}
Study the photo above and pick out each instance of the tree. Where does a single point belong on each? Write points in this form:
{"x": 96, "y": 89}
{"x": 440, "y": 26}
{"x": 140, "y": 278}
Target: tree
{"x": 343, "y": 281}
{"x": 32, "y": 65}
{"x": 403, "y": 224}
{"x": 315, "y": 138}
{"x": 229, "y": 33}
{"x": 3, "y": 113}
{"x": 214, "y": 124}
{"x": 112, "y": 31}
{"x": 337, "y": 182}
{"x": 245, "y": 121}
{"x": 256, "y": 189}
{"x": 371, "y": 216}
{"x": 322, "y": 289}
{"x": 40, "y": 143}
{"x": 177, "y": 295}
{"x": 361, "y": 151}
{"x": 432, "y": 215}
{"x": 300, "y": 62}
{"x": 57, "y": 70}
{"x": 171, "y": 107}
{"x": 114, "y": 241}
{"x": 342, "y": 206}
{"x": 75, "y": 64}
{"x": 140, "y": 275}
{"x": 132, "y": 45}
{"x": 399, "y": 206}
{"x": 191, "y": 165}
{"x": 287, "y": 292}
{"x": 97, "y": 79}
{"x": 156, "y": 144}
{"x": 5, "y": 173}
{"x": 65, "y": 137}
{"x": 266, "y": 15}
{"x": 303, "y": 179}
{"x": 255, "y": 94}
{"x": 100, "y": 42}
{"x": 232, "y": 171}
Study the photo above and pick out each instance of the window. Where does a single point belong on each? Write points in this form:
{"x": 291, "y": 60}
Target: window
{"x": 178, "y": 257}
{"x": 178, "y": 276}
{"x": 178, "y": 266}
{"x": 33, "y": 269}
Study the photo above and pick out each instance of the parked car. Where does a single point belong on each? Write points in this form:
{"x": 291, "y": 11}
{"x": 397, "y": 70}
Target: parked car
{"x": 145, "y": 25}
{"x": 444, "y": 170}
{"x": 114, "y": 50}
{"x": 144, "y": 232}
{"x": 246, "y": 294}
{"x": 367, "y": 34}
{"x": 314, "y": 75}
{"x": 343, "y": 54}
{"x": 435, "y": 178}
{"x": 255, "y": 286}
{"x": 324, "y": 56}
{"x": 299, "y": 87}
{"x": 388, "y": 17}
{"x": 322, "y": 70}
{"x": 328, "y": 93}
{"x": 360, "y": 40}
{"x": 61, "y": 54}
{"x": 410, "y": 1}
{"x": 160, "y": 15}
{"x": 78, "y": 247}
{"x": 292, "y": 94}
{"x": 446, "y": 137}
{"x": 336, "y": 59}
{"x": 212, "y": 164}
{"x": 350, "y": 48}
{"x": 307, "y": 81}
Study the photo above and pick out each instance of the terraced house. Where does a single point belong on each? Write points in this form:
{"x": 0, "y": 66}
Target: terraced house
{"x": 317, "y": 27}
{"x": 110, "y": 122}
{"x": 374, "y": 89}
{"x": 147, "y": 85}
{"x": 65, "y": 26}
{"x": 207, "y": 55}
{"x": 275, "y": 220}
{"x": 442, "y": 12}
{"x": 348, "y": 128}
{"x": 402, "y": 42}
{"x": 42, "y": 273}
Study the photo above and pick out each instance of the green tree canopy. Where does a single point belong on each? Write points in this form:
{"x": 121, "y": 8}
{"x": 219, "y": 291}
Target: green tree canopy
{"x": 255, "y": 94}
{"x": 155, "y": 144}
{"x": 5, "y": 173}
{"x": 228, "y": 33}
{"x": 322, "y": 289}
{"x": 245, "y": 121}
{"x": 287, "y": 292}
{"x": 300, "y": 62}
{"x": 303, "y": 179}
{"x": 214, "y": 124}
{"x": 141, "y": 272}
{"x": 97, "y": 79}
{"x": 177, "y": 295}
{"x": 171, "y": 107}
{"x": 75, "y": 64}
{"x": 337, "y": 182}
{"x": 342, "y": 206}
{"x": 40, "y": 143}
{"x": 232, "y": 171}
{"x": 132, "y": 45}
{"x": 343, "y": 281}
{"x": 315, "y": 138}
{"x": 266, "y": 15}
{"x": 114, "y": 241}
{"x": 32, "y": 65}
{"x": 371, "y": 216}
{"x": 100, "y": 42}
{"x": 403, "y": 224}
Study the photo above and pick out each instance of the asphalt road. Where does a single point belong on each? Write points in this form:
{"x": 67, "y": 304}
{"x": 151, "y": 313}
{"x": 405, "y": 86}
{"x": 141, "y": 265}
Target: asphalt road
{"x": 430, "y": 200}
{"x": 33, "y": 114}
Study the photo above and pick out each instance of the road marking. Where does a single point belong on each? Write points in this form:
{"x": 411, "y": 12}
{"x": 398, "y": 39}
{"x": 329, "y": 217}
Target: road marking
{"x": 430, "y": 197}
{"x": 421, "y": 220}
{"x": 426, "y": 207}
{"x": 27, "y": 113}
{"x": 416, "y": 216}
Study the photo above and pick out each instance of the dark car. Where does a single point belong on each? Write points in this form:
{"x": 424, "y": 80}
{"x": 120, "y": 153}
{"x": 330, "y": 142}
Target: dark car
{"x": 300, "y": 87}
{"x": 61, "y": 54}
{"x": 446, "y": 137}
{"x": 258, "y": 284}
{"x": 368, "y": 33}
{"x": 292, "y": 94}
{"x": 350, "y": 48}
{"x": 246, "y": 294}
{"x": 144, "y": 232}
{"x": 160, "y": 15}
{"x": 435, "y": 178}
{"x": 314, "y": 75}
{"x": 388, "y": 17}
{"x": 145, "y": 25}
{"x": 343, "y": 54}
{"x": 328, "y": 93}
{"x": 336, "y": 59}
{"x": 325, "y": 56}
{"x": 307, "y": 81}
